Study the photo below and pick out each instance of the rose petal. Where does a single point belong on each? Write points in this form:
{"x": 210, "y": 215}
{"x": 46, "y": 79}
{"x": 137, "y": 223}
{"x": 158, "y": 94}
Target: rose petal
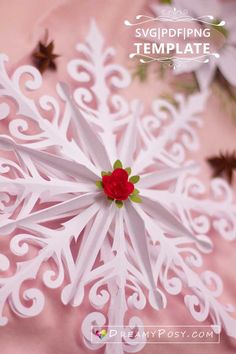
{"x": 130, "y": 187}
{"x": 120, "y": 174}
{"x": 106, "y": 179}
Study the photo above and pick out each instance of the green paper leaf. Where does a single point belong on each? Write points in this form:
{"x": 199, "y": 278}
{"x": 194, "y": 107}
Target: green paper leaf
{"x": 99, "y": 184}
{"x": 166, "y": 2}
{"x": 117, "y": 164}
{"x": 135, "y": 198}
{"x": 104, "y": 173}
{"x": 119, "y": 203}
{"x": 221, "y": 29}
{"x": 141, "y": 72}
{"x": 135, "y": 192}
{"x": 134, "y": 179}
{"x": 128, "y": 170}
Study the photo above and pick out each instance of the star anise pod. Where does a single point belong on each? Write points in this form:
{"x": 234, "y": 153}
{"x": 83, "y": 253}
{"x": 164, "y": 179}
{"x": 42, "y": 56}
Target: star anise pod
{"x": 223, "y": 165}
{"x": 44, "y": 57}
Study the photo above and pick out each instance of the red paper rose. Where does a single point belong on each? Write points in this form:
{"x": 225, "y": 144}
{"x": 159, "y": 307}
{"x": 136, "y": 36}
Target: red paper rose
{"x": 116, "y": 185}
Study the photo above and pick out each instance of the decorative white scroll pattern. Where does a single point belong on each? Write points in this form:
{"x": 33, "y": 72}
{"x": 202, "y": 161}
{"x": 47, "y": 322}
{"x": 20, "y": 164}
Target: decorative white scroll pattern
{"x": 52, "y": 154}
{"x": 174, "y": 61}
{"x": 171, "y": 14}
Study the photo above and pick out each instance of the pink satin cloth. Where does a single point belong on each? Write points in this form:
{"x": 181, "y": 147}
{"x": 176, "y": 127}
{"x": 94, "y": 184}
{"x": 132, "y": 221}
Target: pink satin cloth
{"x": 22, "y": 25}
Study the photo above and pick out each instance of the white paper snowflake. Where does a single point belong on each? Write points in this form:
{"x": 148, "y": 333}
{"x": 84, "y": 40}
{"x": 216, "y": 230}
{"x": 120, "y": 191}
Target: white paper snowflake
{"x": 53, "y": 153}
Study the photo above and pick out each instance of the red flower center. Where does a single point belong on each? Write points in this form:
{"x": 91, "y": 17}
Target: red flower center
{"x": 116, "y": 185}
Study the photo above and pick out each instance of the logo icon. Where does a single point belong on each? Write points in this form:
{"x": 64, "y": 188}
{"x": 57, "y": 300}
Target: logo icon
{"x": 101, "y": 334}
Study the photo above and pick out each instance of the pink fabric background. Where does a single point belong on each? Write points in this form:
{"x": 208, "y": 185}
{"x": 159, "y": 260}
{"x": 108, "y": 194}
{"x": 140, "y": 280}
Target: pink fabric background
{"x": 22, "y": 24}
